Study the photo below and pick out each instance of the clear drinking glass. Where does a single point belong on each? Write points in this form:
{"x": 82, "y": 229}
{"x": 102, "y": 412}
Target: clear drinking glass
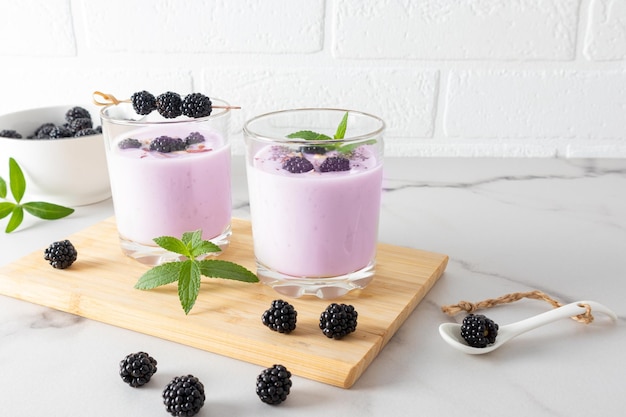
{"x": 159, "y": 193}
{"x": 315, "y": 202}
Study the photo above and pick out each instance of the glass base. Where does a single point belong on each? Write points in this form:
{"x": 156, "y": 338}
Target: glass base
{"x": 156, "y": 255}
{"x": 325, "y": 288}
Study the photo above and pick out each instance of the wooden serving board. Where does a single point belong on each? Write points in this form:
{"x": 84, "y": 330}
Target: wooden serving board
{"x": 226, "y": 318}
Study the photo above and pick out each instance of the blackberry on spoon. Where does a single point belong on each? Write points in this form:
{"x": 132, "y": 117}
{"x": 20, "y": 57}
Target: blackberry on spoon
{"x": 478, "y": 330}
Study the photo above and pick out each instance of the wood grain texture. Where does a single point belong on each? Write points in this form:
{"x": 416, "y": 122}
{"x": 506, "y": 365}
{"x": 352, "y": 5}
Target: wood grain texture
{"x": 226, "y": 318}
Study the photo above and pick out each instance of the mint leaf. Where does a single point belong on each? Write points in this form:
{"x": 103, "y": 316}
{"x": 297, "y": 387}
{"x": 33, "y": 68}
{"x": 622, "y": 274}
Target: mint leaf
{"x": 188, "y": 284}
{"x": 6, "y": 207}
{"x": 203, "y": 248}
{"x": 191, "y": 239}
{"x": 17, "y": 184}
{"x": 47, "y": 211}
{"x": 197, "y": 246}
{"x": 340, "y": 133}
{"x": 308, "y": 135}
{"x": 173, "y": 245}
{"x": 341, "y": 129}
{"x": 17, "y": 216}
{"x": 352, "y": 146}
{"x": 3, "y": 188}
{"x": 214, "y": 268}
{"x": 188, "y": 272}
{"x": 159, "y": 275}
{"x": 16, "y": 180}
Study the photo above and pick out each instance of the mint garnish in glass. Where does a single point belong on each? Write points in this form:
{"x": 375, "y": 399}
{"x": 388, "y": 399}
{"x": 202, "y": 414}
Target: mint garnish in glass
{"x": 40, "y": 209}
{"x": 188, "y": 272}
{"x": 340, "y": 133}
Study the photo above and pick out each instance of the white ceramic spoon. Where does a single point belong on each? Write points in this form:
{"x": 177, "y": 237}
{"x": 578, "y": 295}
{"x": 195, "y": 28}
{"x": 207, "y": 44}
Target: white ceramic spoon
{"x": 451, "y": 332}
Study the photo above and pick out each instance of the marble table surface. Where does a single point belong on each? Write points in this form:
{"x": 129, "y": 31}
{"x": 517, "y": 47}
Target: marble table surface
{"x": 508, "y": 225}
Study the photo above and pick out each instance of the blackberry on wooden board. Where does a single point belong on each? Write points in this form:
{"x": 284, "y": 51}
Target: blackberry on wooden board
{"x": 280, "y": 317}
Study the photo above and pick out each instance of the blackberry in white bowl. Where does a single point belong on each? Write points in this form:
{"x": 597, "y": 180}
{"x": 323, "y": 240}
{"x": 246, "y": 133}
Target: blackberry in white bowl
{"x": 61, "y": 164}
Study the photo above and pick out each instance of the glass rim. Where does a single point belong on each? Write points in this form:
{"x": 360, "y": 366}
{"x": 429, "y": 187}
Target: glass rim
{"x": 214, "y": 115}
{"x": 268, "y": 138}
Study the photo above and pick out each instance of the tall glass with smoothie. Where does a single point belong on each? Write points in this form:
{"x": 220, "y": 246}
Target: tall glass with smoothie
{"x": 168, "y": 176}
{"x": 315, "y": 182}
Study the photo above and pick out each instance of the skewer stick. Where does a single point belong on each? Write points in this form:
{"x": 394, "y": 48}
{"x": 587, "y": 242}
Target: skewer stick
{"x": 108, "y": 99}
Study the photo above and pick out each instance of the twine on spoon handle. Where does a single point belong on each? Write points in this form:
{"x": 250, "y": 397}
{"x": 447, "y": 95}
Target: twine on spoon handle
{"x": 469, "y": 307}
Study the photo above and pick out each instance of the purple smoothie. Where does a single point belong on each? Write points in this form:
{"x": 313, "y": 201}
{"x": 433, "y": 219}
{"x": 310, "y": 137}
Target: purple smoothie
{"x": 315, "y": 224}
{"x": 166, "y": 194}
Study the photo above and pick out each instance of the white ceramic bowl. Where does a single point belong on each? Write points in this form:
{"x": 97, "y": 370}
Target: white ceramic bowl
{"x": 65, "y": 171}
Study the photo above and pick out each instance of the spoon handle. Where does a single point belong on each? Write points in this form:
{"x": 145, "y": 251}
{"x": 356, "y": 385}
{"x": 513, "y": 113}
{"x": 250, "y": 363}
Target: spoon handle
{"x": 568, "y": 310}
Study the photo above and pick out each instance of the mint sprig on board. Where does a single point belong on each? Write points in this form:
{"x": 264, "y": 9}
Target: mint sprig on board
{"x": 40, "y": 209}
{"x": 340, "y": 133}
{"x": 189, "y": 271}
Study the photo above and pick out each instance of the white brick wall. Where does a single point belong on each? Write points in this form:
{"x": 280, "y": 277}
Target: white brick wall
{"x": 451, "y": 77}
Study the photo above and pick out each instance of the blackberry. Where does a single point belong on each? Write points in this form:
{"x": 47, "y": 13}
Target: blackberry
{"x": 184, "y": 396}
{"x": 280, "y": 317}
{"x": 196, "y": 105}
{"x": 136, "y": 369}
{"x": 61, "y": 254}
{"x": 335, "y": 163}
{"x": 85, "y": 132}
{"x": 166, "y": 144}
{"x": 59, "y": 132}
{"x": 77, "y": 113}
{"x": 43, "y": 131}
{"x": 338, "y": 320}
{"x": 169, "y": 105}
{"x": 478, "y": 331}
{"x": 313, "y": 150}
{"x": 129, "y": 143}
{"x": 79, "y": 124}
{"x": 143, "y": 102}
{"x": 10, "y": 134}
{"x": 273, "y": 385}
{"x": 193, "y": 138}
{"x": 297, "y": 165}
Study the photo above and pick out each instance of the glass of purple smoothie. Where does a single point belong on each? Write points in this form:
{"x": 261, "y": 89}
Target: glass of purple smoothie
{"x": 315, "y": 183}
{"x": 168, "y": 177}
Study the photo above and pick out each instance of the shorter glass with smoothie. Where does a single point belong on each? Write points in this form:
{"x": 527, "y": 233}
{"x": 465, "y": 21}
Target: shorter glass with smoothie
{"x": 315, "y": 183}
{"x": 168, "y": 177}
